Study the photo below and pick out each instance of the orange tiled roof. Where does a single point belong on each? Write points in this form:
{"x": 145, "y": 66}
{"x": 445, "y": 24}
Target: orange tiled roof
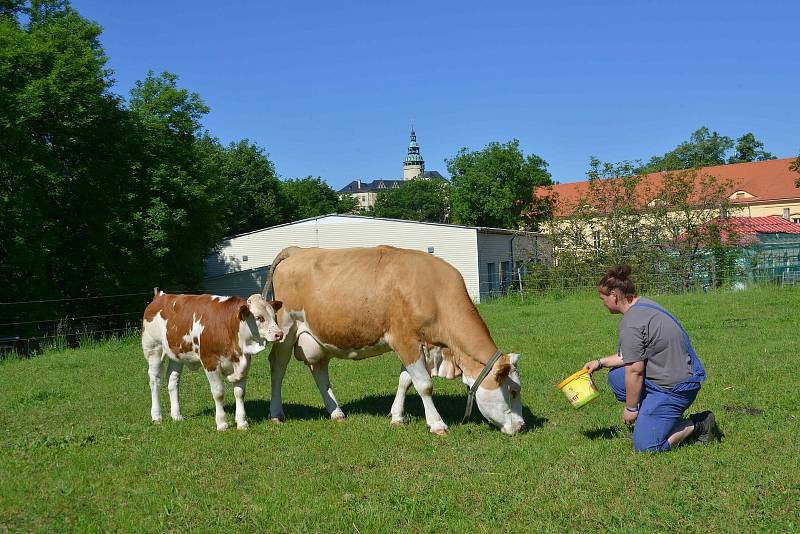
{"x": 763, "y": 180}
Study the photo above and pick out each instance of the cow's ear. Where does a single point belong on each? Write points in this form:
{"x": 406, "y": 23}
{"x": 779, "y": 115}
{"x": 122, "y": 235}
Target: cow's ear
{"x": 503, "y": 370}
{"x": 244, "y": 312}
{"x": 276, "y": 304}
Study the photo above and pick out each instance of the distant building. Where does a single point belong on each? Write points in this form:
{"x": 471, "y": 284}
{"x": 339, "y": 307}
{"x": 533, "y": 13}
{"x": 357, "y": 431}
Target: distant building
{"x": 413, "y": 168}
{"x": 491, "y": 260}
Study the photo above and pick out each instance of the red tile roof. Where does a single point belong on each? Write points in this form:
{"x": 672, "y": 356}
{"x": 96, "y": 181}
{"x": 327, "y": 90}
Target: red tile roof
{"x": 763, "y": 225}
{"x": 764, "y": 180}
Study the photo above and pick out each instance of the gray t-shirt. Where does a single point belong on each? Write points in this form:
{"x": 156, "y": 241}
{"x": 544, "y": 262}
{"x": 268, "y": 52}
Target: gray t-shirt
{"x": 648, "y": 334}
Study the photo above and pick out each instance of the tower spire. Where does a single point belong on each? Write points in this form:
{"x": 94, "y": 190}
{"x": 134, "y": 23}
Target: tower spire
{"x": 414, "y": 165}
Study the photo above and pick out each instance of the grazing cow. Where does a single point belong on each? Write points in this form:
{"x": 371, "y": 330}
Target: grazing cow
{"x": 361, "y": 302}
{"x": 219, "y": 333}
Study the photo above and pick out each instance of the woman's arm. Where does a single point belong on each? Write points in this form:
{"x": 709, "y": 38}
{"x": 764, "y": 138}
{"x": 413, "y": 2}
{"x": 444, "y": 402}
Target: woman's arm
{"x": 634, "y": 379}
{"x": 615, "y": 360}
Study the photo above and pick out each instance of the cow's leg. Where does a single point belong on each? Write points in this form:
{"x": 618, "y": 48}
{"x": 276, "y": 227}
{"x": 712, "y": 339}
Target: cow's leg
{"x": 398, "y": 406}
{"x": 278, "y": 361}
{"x": 238, "y": 393}
{"x": 153, "y": 354}
{"x": 173, "y": 384}
{"x": 218, "y": 392}
{"x": 424, "y": 386}
{"x": 320, "y": 372}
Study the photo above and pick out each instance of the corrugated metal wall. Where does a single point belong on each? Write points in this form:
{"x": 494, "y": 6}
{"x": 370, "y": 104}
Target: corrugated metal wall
{"x": 495, "y": 262}
{"x": 456, "y": 245}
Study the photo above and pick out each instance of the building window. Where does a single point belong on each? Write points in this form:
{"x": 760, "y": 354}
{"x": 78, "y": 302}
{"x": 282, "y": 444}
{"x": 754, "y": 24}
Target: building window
{"x": 596, "y": 239}
{"x": 244, "y": 258}
{"x": 505, "y": 274}
{"x": 491, "y": 271}
{"x": 786, "y": 213}
{"x": 578, "y": 238}
{"x": 796, "y": 220}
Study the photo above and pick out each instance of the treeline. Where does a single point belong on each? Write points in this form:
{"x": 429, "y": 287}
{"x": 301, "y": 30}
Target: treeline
{"x": 102, "y": 195}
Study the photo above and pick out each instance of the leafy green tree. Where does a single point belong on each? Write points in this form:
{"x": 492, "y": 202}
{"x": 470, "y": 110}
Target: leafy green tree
{"x": 703, "y": 148}
{"x": 748, "y": 148}
{"x": 796, "y": 168}
{"x": 178, "y": 201}
{"x": 57, "y": 150}
{"x": 415, "y": 200}
{"x": 253, "y": 192}
{"x": 310, "y": 197}
{"x": 494, "y": 186}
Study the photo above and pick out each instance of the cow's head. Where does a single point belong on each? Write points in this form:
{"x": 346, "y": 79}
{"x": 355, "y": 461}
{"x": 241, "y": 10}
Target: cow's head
{"x": 263, "y": 312}
{"x": 499, "y": 395}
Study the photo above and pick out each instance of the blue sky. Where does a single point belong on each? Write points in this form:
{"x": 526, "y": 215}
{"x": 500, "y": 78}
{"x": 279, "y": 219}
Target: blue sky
{"x": 330, "y": 88}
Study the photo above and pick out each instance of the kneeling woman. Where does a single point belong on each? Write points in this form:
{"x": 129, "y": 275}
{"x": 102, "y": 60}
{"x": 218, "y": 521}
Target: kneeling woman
{"x": 655, "y": 372}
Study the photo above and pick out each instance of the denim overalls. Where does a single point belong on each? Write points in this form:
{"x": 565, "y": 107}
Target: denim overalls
{"x": 660, "y": 409}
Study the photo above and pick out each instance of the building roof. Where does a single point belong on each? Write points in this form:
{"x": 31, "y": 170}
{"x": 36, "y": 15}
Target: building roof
{"x": 358, "y": 186}
{"x": 335, "y": 218}
{"x": 763, "y": 225}
{"x": 758, "y": 181}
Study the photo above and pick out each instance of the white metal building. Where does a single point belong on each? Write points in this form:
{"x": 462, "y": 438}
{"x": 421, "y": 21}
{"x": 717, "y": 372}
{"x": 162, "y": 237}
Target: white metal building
{"x": 488, "y": 258}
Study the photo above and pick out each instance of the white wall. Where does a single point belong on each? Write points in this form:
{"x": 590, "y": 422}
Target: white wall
{"x": 455, "y": 244}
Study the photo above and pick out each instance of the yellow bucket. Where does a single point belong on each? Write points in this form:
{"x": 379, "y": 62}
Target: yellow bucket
{"x": 579, "y": 388}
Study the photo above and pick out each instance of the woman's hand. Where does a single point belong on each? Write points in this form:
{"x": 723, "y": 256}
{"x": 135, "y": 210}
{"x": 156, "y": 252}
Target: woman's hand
{"x": 592, "y": 366}
{"x": 629, "y": 417}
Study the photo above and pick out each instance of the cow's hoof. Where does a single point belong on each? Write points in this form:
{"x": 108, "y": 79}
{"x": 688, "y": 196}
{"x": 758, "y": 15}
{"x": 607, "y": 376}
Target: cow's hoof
{"x": 279, "y": 419}
{"x": 337, "y": 415}
{"x": 440, "y": 429}
{"x": 242, "y": 426}
{"x": 178, "y": 417}
{"x": 222, "y": 426}
{"x": 398, "y": 422}
{"x": 156, "y": 421}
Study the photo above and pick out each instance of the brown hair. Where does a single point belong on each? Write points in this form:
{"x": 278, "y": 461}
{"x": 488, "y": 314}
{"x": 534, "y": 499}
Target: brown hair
{"x": 618, "y": 277}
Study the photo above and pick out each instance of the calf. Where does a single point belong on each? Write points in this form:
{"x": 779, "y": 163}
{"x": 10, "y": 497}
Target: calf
{"x": 219, "y": 333}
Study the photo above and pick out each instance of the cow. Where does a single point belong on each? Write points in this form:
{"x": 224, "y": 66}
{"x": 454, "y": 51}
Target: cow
{"x": 361, "y": 302}
{"x": 220, "y": 333}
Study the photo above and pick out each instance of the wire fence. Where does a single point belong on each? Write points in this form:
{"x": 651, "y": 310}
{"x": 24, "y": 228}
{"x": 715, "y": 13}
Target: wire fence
{"x": 28, "y": 327}
{"x": 545, "y": 281}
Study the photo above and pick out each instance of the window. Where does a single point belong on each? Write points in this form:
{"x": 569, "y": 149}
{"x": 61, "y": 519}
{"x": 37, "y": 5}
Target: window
{"x": 505, "y": 274}
{"x": 491, "y": 278}
{"x": 244, "y": 258}
{"x": 596, "y": 239}
{"x": 578, "y": 238}
{"x": 796, "y": 220}
{"x": 786, "y": 213}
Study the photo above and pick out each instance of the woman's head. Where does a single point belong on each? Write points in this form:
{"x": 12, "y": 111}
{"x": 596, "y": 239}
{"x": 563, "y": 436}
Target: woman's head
{"x": 617, "y": 289}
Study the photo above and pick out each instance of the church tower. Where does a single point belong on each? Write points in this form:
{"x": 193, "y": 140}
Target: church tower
{"x": 414, "y": 165}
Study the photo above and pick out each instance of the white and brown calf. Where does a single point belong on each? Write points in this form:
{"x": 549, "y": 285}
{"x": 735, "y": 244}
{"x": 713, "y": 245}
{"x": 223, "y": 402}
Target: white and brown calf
{"x": 220, "y": 333}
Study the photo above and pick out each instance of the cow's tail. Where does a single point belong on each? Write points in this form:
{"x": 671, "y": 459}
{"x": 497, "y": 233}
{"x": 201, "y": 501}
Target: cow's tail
{"x": 269, "y": 291}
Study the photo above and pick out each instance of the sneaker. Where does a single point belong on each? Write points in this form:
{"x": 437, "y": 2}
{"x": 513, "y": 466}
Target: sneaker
{"x": 705, "y": 427}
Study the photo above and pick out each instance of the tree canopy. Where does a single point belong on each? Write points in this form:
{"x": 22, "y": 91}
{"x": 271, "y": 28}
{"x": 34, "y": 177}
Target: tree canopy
{"x": 705, "y": 148}
{"x": 495, "y": 186}
{"x": 415, "y": 200}
{"x": 310, "y": 197}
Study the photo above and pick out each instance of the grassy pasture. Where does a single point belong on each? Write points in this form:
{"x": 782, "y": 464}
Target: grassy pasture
{"x": 79, "y": 452}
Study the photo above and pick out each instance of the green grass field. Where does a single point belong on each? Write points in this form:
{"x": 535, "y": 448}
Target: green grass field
{"x": 79, "y": 452}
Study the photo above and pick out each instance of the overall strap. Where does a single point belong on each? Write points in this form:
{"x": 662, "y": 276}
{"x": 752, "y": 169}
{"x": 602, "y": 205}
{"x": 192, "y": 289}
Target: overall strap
{"x": 698, "y": 370}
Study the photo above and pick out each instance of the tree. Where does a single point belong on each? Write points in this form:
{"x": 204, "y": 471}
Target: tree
{"x": 254, "y": 197}
{"x": 494, "y": 186}
{"x": 704, "y": 148}
{"x": 415, "y": 200}
{"x": 178, "y": 205}
{"x": 310, "y": 197}
{"x": 748, "y": 148}
{"x": 669, "y": 229}
{"x": 57, "y": 147}
{"x": 796, "y": 168}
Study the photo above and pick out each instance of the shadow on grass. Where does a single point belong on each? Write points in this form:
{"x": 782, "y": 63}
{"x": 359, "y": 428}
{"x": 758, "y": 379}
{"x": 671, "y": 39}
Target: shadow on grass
{"x": 606, "y": 432}
{"x": 450, "y": 407}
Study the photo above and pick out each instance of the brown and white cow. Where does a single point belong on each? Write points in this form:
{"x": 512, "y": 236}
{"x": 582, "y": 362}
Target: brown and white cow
{"x": 219, "y": 333}
{"x": 361, "y": 302}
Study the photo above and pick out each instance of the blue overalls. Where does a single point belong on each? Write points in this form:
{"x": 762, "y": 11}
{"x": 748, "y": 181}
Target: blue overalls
{"x": 660, "y": 409}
